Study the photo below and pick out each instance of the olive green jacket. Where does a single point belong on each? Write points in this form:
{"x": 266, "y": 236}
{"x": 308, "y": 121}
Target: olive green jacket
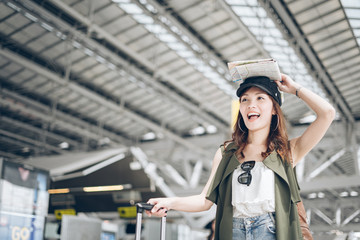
{"x": 286, "y": 196}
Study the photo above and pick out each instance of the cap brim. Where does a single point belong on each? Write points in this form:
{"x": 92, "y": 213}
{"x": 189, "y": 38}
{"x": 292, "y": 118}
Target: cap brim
{"x": 243, "y": 88}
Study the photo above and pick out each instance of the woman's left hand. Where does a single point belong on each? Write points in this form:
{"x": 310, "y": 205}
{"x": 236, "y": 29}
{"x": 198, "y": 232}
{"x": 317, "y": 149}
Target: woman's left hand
{"x": 287, "y": 84}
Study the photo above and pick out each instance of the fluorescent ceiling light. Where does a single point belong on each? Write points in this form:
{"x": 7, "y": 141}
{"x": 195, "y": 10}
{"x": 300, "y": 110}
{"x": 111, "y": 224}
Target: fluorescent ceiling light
{"x": 321, "y": 195}
{"x": 354, "y": 194}
{"x": 59, "y": 191}
{"x": 104, "y": 188}
{"x": 344, "y": 194}
{"x": 211, "y": 129}
{"x": 197, "y": 131}
{"x": 312, "y": 195}
{"x": 149, "y": 136}
{"x": 64, "y": 145}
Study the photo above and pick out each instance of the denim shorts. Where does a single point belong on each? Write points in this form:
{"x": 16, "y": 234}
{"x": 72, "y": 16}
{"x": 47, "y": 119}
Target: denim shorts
{"x": 255, "y": 228}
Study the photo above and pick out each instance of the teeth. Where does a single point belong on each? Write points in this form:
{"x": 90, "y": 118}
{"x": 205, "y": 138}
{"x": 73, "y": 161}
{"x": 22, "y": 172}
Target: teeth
{"x": 253, "y": 114}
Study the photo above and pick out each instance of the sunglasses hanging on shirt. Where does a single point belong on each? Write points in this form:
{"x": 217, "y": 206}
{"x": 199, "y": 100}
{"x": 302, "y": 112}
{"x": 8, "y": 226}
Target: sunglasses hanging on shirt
{"x": 245, "y": 177}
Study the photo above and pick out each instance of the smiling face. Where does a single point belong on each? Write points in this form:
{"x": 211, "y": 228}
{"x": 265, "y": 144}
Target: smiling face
{"x": 256, "y": 108}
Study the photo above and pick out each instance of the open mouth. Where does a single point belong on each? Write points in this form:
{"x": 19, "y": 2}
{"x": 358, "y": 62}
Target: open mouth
{"x": 253, "y": 116}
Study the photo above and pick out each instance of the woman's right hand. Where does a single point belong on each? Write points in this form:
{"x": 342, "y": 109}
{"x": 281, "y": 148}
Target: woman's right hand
{"x": 161, "y": 206}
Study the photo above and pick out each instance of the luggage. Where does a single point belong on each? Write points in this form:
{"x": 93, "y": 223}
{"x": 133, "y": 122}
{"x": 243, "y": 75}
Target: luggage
{"x": 140, "y": 207}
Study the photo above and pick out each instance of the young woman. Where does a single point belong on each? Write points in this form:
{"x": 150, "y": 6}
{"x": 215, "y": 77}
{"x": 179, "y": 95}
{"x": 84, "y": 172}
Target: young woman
{"x": 252, "y": 181}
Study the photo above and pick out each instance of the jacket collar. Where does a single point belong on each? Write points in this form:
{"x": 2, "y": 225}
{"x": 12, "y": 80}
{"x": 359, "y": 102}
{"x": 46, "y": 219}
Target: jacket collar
{"x": 275, "y": 163}
{"x": 272, "y": 161}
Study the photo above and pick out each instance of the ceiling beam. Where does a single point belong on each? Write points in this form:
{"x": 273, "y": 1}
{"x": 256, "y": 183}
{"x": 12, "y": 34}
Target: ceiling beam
{"x": 41, "y": 132}
{"x": 331, "y": 228}
{"x": 100, "y": 100}
{"x": 151, "y": 80}
{"x": 244, "y": 28}
{"x": 328, "y": 183}
{"x": 332, "y": 203}
{"x": 31, "y": 141}
{"x": 325, "y": 165}
{"x": 297, "y": 39}
{"x": 61, "y": 119}
{"x": 172, "y": 16}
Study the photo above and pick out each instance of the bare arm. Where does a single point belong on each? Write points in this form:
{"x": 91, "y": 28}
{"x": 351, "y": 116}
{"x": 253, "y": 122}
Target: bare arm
{"x": 325, "y": 114}
{"x": 195, "y": 203}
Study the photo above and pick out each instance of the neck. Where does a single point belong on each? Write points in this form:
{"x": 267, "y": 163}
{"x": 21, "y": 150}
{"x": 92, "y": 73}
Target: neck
{"x": 258, "y": 137}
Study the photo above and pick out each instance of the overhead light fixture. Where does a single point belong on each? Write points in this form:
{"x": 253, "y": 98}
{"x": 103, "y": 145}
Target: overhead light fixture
{"x": 354, "y": 194}
{"x": 312, "y": 195}
{"x": 107, "y": 188}
{"x": 321, "y": 195}
{"x": 59, "y": 191}
{"x": 149, "y": 136}
{"x": 211, "y": 129}
{"x": 344, "y": 194}
{"x": 64, "y": 145}
{"x": 197, "y": 131}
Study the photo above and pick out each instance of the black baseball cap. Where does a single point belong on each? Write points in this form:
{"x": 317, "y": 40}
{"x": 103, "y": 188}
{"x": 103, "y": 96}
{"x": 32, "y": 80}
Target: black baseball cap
{"x": 262, "y": 82}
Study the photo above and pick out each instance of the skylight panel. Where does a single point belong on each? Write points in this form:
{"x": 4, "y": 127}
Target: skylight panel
{"x": 275, "y": 33}
{"x": 176, "y": 30}
{"x": 355, "y": 23}
{"x": 273, "y": 48}
{"x": 130, "y": 8}
{"x": 176, "y": 46}
{"x": 251, "y": 21}
{"x": 266, "y": 32}
{"x": 193, "y": 61}
{"x": 176, "y": 40}
{"x": 279, "y": 56}
{"x": 357, "y": 32}
{"x": 168, "y": 38}
{"x": 350, "y": 3}
{"x": 121, "y": 1}
{"x": 352, "y": 13}
{"x": 151, "y": 8}
{"x": 143, "y": 19}
{"x": 244, "y": 11}
{"x": 268, "y": 23}
{"x": 281, "y": 42}
{"x": 211, "y": 75}
{"x": 206, "y": 69}
{"x": 185, "y": 54}
{"x": 236, "y": 2}
{"x": 220, "y": 70}
{"x": 155, "y": 28}
{"x": 261, "y": 13}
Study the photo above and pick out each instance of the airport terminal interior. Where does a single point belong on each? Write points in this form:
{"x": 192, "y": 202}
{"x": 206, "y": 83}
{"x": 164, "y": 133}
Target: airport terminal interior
{"x": 107, "y": 103}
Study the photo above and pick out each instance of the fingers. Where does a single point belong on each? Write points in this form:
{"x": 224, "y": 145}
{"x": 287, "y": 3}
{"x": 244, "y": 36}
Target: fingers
{"x": 159, "y": 209}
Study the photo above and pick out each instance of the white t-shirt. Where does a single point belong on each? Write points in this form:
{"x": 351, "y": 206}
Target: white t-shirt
{"x": 259, "y": 197}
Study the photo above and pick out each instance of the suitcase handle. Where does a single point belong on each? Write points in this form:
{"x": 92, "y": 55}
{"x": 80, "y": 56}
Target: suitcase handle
{"x": 140, "y": 207}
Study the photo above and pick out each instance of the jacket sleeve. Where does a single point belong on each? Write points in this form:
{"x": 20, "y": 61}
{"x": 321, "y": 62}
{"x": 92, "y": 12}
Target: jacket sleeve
{"x": 212, "y": 193}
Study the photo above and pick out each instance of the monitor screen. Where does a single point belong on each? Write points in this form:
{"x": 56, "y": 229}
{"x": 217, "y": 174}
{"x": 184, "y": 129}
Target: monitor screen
{"x": 23, "y": 201}
{"x": 108, "y": 236}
